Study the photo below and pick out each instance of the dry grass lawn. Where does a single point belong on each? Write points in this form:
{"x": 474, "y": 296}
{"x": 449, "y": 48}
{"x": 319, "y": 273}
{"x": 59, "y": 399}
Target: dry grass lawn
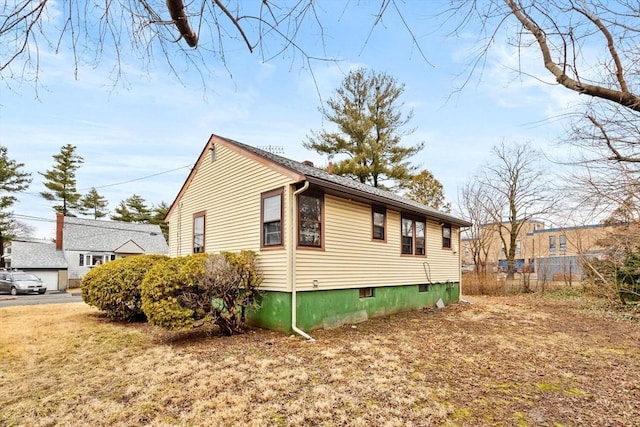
{"x": 510, "y": 361}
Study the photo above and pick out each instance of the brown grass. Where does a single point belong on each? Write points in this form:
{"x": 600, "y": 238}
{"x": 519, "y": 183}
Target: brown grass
{"x": 500, "y": 361}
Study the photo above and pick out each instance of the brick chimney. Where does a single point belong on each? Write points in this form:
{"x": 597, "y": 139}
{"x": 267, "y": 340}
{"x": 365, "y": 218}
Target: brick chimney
{"x": 59, "y": 227}
{"x": 330, "y": 167}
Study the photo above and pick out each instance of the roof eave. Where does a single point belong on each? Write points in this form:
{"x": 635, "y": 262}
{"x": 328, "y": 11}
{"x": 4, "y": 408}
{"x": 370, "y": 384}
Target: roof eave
{"x": 368, "y": 197}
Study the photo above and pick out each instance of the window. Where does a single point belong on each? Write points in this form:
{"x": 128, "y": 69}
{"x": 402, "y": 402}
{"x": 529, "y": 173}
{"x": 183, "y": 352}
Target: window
{"x": 379, "y": 221}
{"x": 310, "y": 220}
{"x": 198, "y": 232}
{"x": 366, "y": 292}
{"x": 552, "y": 243}
{"x": 423, "y": 287}
{"x": 272, "y": 218}
{"x": 518, "y": 247}
{"x": 81, "y": 260}
{"x": 413, "y": 236}
{"x": 446, "y": 236}
{"x": 563, "y": 243}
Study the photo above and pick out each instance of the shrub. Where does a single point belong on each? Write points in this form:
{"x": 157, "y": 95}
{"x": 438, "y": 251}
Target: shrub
{"x": 114, "y": 287}
{"x": 202, "y": 289}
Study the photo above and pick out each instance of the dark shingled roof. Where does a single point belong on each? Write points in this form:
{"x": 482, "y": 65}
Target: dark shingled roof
{"x": 347, "y": 186}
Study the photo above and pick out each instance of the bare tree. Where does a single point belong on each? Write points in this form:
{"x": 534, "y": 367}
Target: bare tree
{"x": 520, "y": 191}
{"x": 95, "y": 31}
{"x": 472, "y": 203}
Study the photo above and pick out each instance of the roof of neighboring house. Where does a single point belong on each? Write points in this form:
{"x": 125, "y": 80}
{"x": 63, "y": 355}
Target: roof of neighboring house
{"x": 333, "y": 183}
{"x": 36, "y": 254}
{"x": 81, "y": 234}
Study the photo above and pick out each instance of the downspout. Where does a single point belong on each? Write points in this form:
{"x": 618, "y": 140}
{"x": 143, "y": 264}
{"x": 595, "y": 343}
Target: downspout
{"x": 293, "y": 234}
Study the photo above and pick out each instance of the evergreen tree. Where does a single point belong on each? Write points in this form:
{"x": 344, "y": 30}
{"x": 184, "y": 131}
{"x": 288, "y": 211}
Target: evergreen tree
{"x": 12, "y": 180}
{"x": 426, "y": 189}
{"x": 61, "y": 180}
{"x": 157, "y": 217}
{"x": 367, "y": 142}
{"x": 132, "y": 209}
{"x": 94, "y": 204}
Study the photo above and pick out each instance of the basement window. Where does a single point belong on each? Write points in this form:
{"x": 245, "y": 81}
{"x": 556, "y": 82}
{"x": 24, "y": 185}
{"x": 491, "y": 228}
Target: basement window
{"x": 366, "y": 292}
{"x": 423, "y": 287}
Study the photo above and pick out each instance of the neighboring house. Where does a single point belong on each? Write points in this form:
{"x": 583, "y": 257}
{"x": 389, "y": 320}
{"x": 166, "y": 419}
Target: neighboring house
{"x": 335, "y": 250}
{"x": 556, "y": 249}
{"x": 88, "y": 242}
{"x": 41, "y": 258}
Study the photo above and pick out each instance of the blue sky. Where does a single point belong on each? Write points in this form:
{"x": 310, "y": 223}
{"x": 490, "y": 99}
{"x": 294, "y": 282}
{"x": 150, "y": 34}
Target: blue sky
{"x": 152, "y": 124}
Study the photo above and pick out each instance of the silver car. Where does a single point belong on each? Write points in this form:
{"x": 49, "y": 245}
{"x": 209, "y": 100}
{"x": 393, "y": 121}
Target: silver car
{"x": 19, "y": 282}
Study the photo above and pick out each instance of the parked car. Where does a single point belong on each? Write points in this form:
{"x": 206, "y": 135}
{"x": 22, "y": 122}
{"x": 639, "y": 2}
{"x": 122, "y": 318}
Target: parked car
{"x": 19, "y": 282}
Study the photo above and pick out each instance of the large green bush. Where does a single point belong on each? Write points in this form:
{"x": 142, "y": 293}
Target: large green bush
{"x": 114, "y": 287}
{"x": 198, "y": 289}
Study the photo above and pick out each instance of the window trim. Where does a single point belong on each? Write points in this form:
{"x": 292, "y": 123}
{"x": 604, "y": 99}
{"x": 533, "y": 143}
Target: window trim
{"x": 447, "y": 226}
{"x": 319, "y": 195}
{"x": 379, "y": 210}
{"x": 414, "y": 237}
{"x": 197, "y": 215}
{"x": 263, "y": 196}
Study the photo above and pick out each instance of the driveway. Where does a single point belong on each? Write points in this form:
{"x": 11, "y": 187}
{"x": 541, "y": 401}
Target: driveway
{"x": 51, "y": 297}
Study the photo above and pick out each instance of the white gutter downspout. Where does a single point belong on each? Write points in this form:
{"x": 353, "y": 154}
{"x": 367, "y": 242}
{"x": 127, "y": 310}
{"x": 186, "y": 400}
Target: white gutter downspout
{"x": 294, "y": 222}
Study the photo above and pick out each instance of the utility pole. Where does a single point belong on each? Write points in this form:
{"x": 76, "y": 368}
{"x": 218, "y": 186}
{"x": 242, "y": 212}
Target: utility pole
{"x": 1, "y": 250}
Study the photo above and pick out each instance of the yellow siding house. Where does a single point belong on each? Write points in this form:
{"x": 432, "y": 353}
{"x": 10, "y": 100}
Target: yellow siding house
{"x": 331, "y": 250}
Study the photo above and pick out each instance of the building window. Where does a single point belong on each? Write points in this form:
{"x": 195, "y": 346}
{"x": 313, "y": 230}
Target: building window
{"x": 413, "y": 236}
{"x": 310, "y": 220}
{"x": 81, "y": 260}
{"x": 198, "y": 232}
{"x": 272, "y": 218}
{"x": 366, "y": 292}
{"x": 563, "y": 243}
{"x": 379, "y": 221}
{"x": 446, "y": 236}
{"x": 423, "y": 287}
{"x": 552, "y": 243}
{"x": 518, "y": 247}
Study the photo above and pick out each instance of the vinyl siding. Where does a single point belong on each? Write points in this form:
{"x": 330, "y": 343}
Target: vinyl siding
{"x": 352, "y": 259}
{"x": 228, "y": 191}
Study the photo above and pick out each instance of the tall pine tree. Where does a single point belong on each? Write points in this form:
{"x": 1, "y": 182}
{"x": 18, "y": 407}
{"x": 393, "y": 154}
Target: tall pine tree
{"x": 60, "y": 180}
{"x": 12, "y": 180}
{"x": 132, "y": 209}
{"x": 94, "y": 204}
{"x": 366, "y": 145}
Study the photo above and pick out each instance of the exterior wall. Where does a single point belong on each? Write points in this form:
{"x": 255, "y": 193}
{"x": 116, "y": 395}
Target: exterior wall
{"x": 534, "y": 242}
{"x": 352, "y": 259}
{"x": 228, "y": 191}
{"x": 332, "y": 308}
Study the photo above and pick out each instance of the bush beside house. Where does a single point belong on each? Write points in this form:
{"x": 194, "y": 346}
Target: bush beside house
{"x": 114, "y": 287}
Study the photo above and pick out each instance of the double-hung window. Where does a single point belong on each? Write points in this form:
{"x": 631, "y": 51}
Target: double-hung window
{"x": 413, "y": 236}
{"x": 198, "y": 232}
{"x": 379, "y": 221}
{"x": 310, "y": 218}
{"x": 272, "y": 218}
{"x": 563, "y": 243}
{"x": 446, "y": 236}
{"x": 552, "y": 243}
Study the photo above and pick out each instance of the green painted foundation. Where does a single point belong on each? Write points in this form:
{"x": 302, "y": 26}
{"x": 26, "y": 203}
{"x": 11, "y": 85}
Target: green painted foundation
{"x": 332, "y": 308}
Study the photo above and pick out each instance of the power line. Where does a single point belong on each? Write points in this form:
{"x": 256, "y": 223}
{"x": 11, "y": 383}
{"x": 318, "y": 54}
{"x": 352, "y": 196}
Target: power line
{"x": 138, "y": 179}
{"x": 102, "y": 227}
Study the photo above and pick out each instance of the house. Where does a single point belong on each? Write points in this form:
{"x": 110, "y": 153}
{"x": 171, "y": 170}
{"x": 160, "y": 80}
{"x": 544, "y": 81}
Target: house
{"x": 331, "y": 250}
{"x": 41, "y": 258}
{"x": 80, "y": 245}
{"x": 88, "y": 242}
{"x": 549, "y": 252}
